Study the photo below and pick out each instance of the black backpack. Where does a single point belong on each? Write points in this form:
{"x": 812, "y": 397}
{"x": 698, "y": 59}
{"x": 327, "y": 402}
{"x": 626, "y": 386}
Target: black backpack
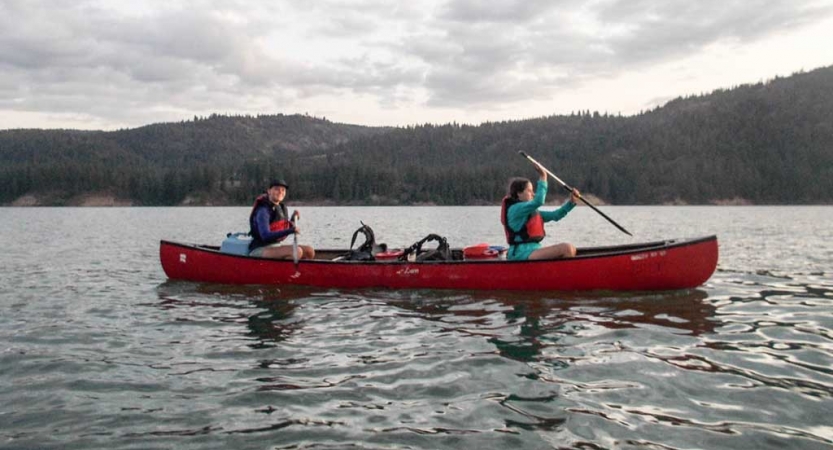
{"x": 368, "y": 249}
{"x": 441, "y": 253}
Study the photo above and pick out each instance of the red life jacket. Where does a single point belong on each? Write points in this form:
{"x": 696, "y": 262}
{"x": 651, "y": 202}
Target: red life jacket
{"x": 280, "y": 225}
{"x": 532, "y": 231}
{"x": 277, "y": 218}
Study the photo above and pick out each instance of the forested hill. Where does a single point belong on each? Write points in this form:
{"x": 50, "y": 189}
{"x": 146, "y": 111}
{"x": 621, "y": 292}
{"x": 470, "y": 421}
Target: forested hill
{"x": 159, "y": 164}
{"x": 764, "y": 143}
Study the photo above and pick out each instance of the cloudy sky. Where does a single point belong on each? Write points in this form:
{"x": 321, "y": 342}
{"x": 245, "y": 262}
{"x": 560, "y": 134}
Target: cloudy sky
{"x": 111, "y": 64}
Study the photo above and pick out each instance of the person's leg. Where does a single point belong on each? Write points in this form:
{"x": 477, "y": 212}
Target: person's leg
{"x": 281, "y": 252}
{"x": 563, "y": 250}
{"x": 309, "y": 252}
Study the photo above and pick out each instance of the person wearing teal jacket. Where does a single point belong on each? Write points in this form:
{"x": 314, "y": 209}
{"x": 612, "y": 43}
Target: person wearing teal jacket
{"x": 520, "y": 218}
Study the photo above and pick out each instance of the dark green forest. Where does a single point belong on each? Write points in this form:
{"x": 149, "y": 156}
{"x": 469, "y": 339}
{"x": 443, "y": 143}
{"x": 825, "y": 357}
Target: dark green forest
{"x": 764, "y": 143}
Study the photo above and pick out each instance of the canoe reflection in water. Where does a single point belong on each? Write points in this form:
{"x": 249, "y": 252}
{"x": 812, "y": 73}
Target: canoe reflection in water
{"x": 519, "y": 324}
{"x": 271, "y": 323}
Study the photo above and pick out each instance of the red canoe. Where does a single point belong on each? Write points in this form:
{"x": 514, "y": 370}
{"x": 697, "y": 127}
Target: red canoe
{"x": 662, "y": 265}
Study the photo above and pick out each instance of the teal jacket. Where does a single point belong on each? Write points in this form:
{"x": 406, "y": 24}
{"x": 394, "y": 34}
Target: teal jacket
{"x": 518, "y": 214}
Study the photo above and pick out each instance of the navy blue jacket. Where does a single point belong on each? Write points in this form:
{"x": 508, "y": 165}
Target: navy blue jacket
{"x": 263, "y": 214}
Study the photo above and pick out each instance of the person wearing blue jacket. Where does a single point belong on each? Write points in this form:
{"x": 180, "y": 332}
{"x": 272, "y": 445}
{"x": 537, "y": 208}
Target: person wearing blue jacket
{"x": 269, "y": 225}
{"x": 523, "y": 223}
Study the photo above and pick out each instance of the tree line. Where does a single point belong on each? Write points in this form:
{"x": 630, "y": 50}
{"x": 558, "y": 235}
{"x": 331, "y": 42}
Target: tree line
{"x": 765, "y": 143}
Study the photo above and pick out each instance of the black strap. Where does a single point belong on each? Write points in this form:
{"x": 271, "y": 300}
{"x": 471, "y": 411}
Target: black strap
{"x": 369, "y": 238}
{"x": 442, "y": 247}
{"x": 365, "y": 251}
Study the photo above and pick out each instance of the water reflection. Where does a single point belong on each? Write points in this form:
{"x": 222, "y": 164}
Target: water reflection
{"x": 518, "y": 324}
{"x": 522, "y": 324}
{"x": 266, "y": 310}
{"x": 538, "y": 362}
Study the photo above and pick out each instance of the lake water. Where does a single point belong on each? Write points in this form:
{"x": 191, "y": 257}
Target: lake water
{"x": 99, "y": 350}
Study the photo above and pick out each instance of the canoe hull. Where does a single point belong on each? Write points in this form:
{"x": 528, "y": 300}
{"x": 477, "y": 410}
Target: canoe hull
{"x": 664, "y": 265}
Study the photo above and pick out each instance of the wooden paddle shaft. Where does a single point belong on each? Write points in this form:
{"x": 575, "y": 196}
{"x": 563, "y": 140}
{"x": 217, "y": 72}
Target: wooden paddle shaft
{"x": 569, "y": 188}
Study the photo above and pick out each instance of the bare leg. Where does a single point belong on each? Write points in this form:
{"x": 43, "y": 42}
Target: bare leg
{"x": 285, "y": 252}
{"x": 309, "y": 252}
{"x": 563, "y": 250}
{"x": 282, "y": 252}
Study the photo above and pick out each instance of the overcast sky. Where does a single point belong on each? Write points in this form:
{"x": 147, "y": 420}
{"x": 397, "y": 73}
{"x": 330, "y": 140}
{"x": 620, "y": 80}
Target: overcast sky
{"x": 112, "y": 64}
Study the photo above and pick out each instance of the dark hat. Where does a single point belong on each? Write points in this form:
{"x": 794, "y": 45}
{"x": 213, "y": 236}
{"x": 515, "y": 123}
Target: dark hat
{"x": 278, "y": 182}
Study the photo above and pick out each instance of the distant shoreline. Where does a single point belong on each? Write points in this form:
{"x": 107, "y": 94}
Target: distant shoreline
{"x": 106, "y": 199}
{"x": 322, "y": 204}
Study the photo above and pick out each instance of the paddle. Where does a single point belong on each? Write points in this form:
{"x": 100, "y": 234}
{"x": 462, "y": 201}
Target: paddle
{"x": 295, "y": 220}
{"x": 570, "y": 189}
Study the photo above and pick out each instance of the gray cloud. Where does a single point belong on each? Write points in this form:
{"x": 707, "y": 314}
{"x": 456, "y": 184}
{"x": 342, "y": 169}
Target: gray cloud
{"x": 101, "y": 63}
{"x": 507, "y": 11}
{"x": 166, "y": 60}
{"x": 486, "y": 47}
{"x": 666, "y": 30}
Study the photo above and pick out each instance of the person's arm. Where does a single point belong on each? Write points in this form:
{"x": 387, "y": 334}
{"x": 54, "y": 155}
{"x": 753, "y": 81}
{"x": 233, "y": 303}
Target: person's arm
{"x": 563, "y": 210}
{"x": 519, "y": 212}
{"x": 262, "y": 223}
{"x": 558, "y": 214}
{"x": 542, "y": 173}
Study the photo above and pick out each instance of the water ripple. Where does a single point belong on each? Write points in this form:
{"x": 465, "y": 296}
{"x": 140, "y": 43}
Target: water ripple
{"x": 98, "y": 351}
